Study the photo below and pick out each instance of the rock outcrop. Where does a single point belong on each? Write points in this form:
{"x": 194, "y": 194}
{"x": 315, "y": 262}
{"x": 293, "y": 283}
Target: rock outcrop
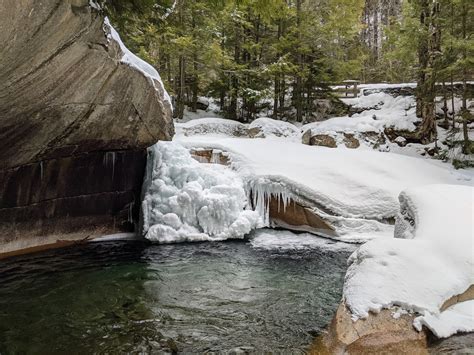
{"x": 378, "y": 334}
{"x": 74, "y": 124}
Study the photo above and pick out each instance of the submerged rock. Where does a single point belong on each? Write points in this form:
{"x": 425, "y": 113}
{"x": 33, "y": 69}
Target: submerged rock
{"x": 77, "y": 111}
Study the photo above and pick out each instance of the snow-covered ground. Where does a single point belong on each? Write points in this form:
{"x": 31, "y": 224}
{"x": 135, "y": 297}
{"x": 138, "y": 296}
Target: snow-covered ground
{"x": 429, "y": 261}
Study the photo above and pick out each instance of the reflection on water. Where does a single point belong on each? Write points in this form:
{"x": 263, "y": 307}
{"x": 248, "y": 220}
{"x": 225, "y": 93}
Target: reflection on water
{"x": 136, "y": 297}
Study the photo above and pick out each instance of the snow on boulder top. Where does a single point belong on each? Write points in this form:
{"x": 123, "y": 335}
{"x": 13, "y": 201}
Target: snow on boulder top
{"x": 265, "y": 127}
{"x": 212, "y": 126}
{"x": 422, "y": 273}
{"x": 135, "y": 62}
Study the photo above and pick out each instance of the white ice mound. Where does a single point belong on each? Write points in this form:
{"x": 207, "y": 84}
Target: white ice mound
{"x": 189, "y": 201}
{"x": 430, "y": 261}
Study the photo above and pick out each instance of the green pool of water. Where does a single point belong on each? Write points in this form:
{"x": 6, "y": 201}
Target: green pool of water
{"x": 119, "y": 297}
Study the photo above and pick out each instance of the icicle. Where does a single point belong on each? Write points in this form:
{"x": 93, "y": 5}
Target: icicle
{"x": 130, "y": 212}
{"x": 261, "y": 191}
{"x": 110, "y": 157}
{"x": 215, "y": 156}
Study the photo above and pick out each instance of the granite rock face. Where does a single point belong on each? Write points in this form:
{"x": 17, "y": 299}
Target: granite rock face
{"x": 74, "y": 125}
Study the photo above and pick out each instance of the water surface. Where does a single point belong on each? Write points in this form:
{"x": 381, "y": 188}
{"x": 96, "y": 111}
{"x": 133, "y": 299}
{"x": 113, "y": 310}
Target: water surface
{"x": 136, "y": 297}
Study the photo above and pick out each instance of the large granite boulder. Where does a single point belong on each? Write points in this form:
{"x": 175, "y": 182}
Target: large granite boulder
{"x": 378, "y": 334}
{"x": 75, "y": 121}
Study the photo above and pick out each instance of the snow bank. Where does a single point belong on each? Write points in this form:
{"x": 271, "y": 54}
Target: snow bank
{"x": 456, "y": 319}
{"x": 421, "y": 273}
{"x": 212, "y": 126}
{"x": 267, "y": 127}
{"x": 354, "y": 189}
{"x": 188, "y": 201}
{"x": 135, "y": 62}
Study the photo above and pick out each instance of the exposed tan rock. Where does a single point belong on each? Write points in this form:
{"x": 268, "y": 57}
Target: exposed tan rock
{"x": 350, "y": 141}
{"x": 74, "y": 124}
{"x": 297, "y": 217}
{"x": 378, "y": 334}
{"x": 210, "y": 156}
{"x": 465, "y": 296}
{"x": 256, "y": 132}
{"x": 323, "y": 140}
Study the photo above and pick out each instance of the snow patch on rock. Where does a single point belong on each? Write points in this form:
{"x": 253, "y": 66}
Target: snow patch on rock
{"x": 135, "y": 62}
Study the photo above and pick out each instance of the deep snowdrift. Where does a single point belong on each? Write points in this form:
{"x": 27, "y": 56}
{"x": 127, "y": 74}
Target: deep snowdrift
{"x": 422, "y": 273}
{"x": 188, "y": 201}
{"x": 354, "y": 190}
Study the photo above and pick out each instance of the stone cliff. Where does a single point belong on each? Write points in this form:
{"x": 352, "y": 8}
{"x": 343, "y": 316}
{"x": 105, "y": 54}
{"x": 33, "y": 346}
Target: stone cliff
{"x": 75, "y": 121}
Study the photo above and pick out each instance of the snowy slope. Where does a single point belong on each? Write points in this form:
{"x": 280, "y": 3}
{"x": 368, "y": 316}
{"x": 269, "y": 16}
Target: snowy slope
{"x": 422, "y": 273}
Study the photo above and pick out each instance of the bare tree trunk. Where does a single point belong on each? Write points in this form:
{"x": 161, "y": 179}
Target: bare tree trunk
{"x": 429, "y": 48}
{"x": 445, "y": 106}
{"x": 180, "y": 97}
{"x": 465, "y": 112}
{"x": 297, "y": 94}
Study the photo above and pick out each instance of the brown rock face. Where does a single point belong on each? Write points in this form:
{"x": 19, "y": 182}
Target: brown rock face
{"x": 297, "y": 217}
{"x": 74, "y": 125}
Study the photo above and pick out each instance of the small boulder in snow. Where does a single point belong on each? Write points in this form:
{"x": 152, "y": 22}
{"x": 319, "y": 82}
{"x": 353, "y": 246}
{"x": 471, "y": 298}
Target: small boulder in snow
{"x": 350, "y": 141}
{"x": 401, "y": 141}
{"x": 323, "y": 140}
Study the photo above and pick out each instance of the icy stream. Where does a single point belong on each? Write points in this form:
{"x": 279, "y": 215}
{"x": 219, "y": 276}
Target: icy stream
{"x": 122, "y": 297}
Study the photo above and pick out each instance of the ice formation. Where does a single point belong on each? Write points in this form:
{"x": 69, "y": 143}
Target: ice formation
{"x": 135, "y": 62}
{"x": 271, "y": 239}
{"x": 428, "y": 262}
{"x": 185, "y": 200}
